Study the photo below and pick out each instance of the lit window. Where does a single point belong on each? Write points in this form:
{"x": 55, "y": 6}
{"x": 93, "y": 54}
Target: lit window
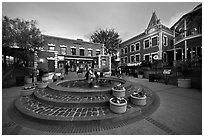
{"x": 165, "y": 40}
{"x": 90, "y": 53}
{"x": 73, "y": 51}
{"x": 51, "y": 48}
{"x": 63, "y": 50}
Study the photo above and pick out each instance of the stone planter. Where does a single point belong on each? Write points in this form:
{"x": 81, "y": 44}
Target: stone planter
{"x": 140, "y": 76}
{"x": 28, "y": 80}
{"x": 42, "y": 84}
{"x": 184, "y": 83}
{"x": 141, "y": 101}
{"x": 26, "y": 91}
{"x": 118, "y": 93}
{"x": 118, "y": 108}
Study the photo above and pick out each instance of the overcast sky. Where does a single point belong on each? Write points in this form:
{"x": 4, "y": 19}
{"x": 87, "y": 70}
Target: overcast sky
{"x": 80, "y": 20}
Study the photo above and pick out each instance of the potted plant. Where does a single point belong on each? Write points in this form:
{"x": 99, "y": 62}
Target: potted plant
{"x": 138, "y": 98}
{"x": 42, "y": 84}
{"x": 118, "y": 90}
{"x": 118, "y": 105}
{"x": 140, "y": 74}
{"x": 184, "y": 67}
{"x": 27, "y": 90}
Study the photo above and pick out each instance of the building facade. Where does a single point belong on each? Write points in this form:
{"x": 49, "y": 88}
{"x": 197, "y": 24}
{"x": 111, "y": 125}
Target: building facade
{"x": 188, "y": 35}
{"x": 157, "y": 39}
{"x": 58, "y": 52}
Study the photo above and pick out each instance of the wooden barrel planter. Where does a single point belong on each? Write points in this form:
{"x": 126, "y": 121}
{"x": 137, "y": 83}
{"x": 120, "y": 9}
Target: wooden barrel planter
{"x": 26, "y": 91}
{"x": 137, "y": 99}
{"x": 118, "y": 105}
{"x": 118, "y": 91}
{"x": 42, "y": 84}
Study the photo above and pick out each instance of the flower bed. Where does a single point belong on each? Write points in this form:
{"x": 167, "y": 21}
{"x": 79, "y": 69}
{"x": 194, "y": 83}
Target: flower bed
{"x": 138, "y": 98}
{"x": 118, "y": 105}
{"x": 118, "y": 91}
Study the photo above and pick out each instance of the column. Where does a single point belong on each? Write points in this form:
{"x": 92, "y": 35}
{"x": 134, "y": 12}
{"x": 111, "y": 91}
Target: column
{"x": 56, "y": 59}
{"x": 185, "y": 42}
{"x": 174, "y": 41}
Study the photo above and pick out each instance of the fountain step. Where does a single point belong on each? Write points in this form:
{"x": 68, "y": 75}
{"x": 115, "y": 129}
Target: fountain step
{"x": 27, "y": 105}
{"x": 42, "y": 95}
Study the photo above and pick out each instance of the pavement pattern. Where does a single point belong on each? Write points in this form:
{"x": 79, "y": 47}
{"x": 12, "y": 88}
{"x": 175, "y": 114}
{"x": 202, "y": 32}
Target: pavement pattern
{"x": 179, "y": 113}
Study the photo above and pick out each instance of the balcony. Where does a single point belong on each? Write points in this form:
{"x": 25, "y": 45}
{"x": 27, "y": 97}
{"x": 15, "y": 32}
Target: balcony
{"x": 191, "y": 33}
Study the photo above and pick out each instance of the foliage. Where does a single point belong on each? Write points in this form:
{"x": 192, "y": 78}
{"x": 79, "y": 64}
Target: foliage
{"x": 140, "y": 94}
{"x": 109, "y": 38}
{"x": 22, "y": 34}
{"x": 119, "y": 87}
{"x": 184, "y": 67}
{"x": 118, "y": 100}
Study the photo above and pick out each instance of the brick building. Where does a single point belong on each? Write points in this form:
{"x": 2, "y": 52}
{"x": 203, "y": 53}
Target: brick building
{"x": 157, "y": 39}
{"x": 57, "y": 52}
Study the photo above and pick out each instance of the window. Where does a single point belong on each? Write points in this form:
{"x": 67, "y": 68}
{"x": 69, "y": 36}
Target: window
{"x": 97, "y": 52}
{"x": 137, "y": 45}
{"x": 132, "y": 48}
{"x": 81, "y": 52}
{"x": 90, "y": 53}
{"x": 137, "y": 57}
{"x": 165, "y": 40}
{"x": 73, "y": 51}
{"x": 63, "y": 50}
{"x": 126, "y": 50}
{"x": 154, "y": 41}
{"x": 122, "y": 61}
{"x": 132, "y": 58}
{"x": 126, "y": 60}
{"x": 122, "y": 51}
{"x": 51, "y": 48}
{"x": 146, "y": 57}
{"x": 146, "y": 44}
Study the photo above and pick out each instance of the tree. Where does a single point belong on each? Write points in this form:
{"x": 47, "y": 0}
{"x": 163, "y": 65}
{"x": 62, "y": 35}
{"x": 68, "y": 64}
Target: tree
{"x": 22, "y": 34}
{"x": 109, "y": 38}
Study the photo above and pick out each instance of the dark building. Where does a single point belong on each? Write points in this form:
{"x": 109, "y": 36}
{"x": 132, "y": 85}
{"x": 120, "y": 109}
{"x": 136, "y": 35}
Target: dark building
{"x": 58, "y": 52}
{"x": 188, "y": 35}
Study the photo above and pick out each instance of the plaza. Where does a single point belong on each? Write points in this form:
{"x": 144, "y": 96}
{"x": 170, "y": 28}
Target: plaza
{"x": 179, "y": 113}
{"x": 148, "y": 84}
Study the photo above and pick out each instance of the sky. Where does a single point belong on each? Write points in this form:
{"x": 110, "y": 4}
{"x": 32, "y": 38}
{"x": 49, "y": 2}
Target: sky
{"x": 79, "y": 20}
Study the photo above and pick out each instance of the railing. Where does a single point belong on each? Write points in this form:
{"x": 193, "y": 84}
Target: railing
{"x": 189, "y": 33}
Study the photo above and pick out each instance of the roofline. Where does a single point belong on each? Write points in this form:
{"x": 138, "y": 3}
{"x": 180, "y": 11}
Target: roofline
{"x": 193, "y": 10}
{"x": 71, "y": 39}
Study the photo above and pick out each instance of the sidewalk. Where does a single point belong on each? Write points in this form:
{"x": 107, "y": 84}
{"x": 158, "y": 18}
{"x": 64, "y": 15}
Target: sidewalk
{"x": 180, "y": 112}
